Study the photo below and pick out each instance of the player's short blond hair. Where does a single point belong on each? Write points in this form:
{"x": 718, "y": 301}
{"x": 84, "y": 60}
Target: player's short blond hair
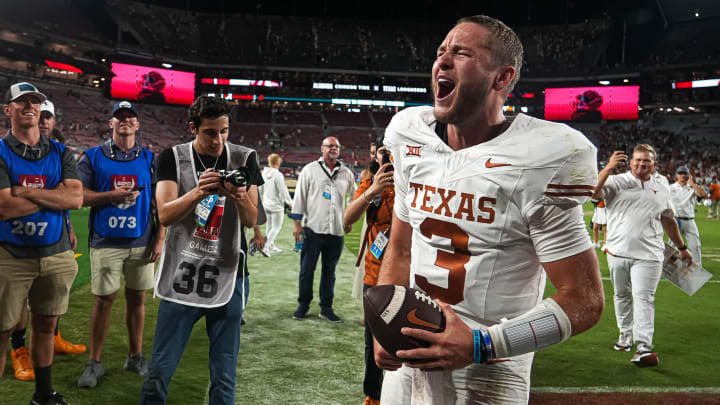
{"x": 644, "y": 147}
{"x": 274, "y": 159}
{"x": 504, "y": 44}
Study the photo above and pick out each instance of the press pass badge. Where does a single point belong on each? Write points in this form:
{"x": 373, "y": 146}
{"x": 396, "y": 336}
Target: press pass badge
{"x": 378, "y": 246}
{"x": 327, "y": 194}
{"x": 204, "y": 208}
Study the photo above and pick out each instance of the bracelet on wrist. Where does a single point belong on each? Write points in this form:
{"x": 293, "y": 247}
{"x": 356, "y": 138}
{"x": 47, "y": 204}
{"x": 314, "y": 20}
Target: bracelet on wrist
{"x": 482, "y": 347}
{"x": 477, "y": 347}
{"x": 365, "y": 198}
{"x": 683, "y": 247}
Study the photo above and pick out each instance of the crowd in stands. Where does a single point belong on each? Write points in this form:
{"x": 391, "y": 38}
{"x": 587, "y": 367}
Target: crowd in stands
{"x": 296, "y": 132}
{"x": 333, "y": 43}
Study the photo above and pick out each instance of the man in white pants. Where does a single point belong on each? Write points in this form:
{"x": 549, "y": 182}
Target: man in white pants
{"x": 684, "y": 192}
{"x": 638, "y": 207}
{"x": 275, "y": 196}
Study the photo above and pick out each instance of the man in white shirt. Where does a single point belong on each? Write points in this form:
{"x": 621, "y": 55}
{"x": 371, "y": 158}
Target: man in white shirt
{"x": 275, "y": 197}
{"x": 321, "y": 194}
{"x": 684, "y": 192}
{"x": 639, "y": 208}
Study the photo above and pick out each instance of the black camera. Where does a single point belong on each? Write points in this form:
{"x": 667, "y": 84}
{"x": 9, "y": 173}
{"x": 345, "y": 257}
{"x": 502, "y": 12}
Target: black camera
{"x": 237, "y": 177}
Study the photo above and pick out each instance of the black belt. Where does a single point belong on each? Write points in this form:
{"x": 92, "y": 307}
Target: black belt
{"x": 685, "y": 218}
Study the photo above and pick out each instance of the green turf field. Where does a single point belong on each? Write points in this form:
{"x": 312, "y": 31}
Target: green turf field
{"x": 284, "y": 361}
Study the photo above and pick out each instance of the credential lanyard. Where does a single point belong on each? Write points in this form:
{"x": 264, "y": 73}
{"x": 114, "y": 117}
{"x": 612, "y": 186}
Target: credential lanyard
{"x": 330, "y": 176}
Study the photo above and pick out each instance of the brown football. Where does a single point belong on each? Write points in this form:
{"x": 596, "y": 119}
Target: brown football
{"x": 389, "y": 308}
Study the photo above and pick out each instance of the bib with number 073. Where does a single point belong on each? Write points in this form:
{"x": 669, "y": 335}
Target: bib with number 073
{"x": 199, "y": 265}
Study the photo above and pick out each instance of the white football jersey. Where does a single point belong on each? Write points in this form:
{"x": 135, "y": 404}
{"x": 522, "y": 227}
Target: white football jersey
{"x": 683, "y": 199}
{"x": 485, "y": 217}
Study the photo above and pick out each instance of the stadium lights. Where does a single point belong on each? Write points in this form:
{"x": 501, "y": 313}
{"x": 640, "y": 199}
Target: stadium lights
{"x": 625, "y": 80}
{"x": 167, "y": 65}
{"x": 691, "y": 108}
{"x": 678, "y": 109}
{"x": 604, "y": 82}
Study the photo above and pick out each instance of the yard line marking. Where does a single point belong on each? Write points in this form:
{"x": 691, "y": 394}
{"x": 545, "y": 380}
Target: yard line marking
{"x": 609, "y": 389}
{"x": 662, "y": 279}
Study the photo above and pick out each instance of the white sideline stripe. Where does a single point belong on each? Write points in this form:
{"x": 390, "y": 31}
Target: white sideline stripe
{"x": 662, "y": 279}
{"x": 609, "y": 389}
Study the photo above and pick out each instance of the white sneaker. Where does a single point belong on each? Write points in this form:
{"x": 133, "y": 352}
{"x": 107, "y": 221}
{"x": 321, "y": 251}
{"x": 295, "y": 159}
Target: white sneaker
{"x": 624, "y": 342}
{"x": 275, "y": 249}
{"x": 645, "y": 357}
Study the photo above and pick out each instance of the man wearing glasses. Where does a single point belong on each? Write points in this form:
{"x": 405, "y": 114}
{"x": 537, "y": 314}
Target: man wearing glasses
{"x": 321, "y": 195}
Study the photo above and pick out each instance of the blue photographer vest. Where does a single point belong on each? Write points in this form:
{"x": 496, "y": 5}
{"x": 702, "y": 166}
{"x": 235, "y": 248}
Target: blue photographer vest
{"x": 121, "y": 220}
{"x": 45, "y": 226}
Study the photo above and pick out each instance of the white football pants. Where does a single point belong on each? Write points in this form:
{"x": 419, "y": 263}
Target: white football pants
{"x": 635, "y": 282}
{"x": 505, "y": 382}
{"x": 689, "y": 230}
{"x": 273, "y": 226}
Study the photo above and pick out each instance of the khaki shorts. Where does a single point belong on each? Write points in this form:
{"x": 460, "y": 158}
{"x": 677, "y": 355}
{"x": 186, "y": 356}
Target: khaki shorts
{"x": 45, "y": 282}
{"x": 108, "y": 266}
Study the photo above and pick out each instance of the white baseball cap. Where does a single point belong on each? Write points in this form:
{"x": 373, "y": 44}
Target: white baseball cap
{"x": 48, "y": 106}
{"x": 20, "y": 89}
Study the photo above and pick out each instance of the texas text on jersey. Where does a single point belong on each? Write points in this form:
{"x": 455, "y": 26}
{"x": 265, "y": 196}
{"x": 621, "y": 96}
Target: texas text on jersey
{"x": 485, "y": 217}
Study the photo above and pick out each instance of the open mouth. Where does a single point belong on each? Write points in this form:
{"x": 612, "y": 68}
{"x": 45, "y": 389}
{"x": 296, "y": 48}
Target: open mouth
{"x": 444, "y": 88}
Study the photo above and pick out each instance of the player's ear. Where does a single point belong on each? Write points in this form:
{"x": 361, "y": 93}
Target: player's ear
{"x": 193, "y": 130}
{"x": 504, "y": 78}
{"x": 6, "y": 109}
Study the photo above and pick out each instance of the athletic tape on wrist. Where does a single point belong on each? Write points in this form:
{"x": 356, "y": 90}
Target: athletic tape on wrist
{"x": 543, "y": 326}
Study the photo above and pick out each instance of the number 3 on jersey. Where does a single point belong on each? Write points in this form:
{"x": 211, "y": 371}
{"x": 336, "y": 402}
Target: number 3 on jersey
{"x": 453, "y": 262}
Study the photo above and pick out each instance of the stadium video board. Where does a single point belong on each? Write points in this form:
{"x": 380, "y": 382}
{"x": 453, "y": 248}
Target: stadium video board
{"x": 152, "y": 85}
{"x": 592, "y": 104}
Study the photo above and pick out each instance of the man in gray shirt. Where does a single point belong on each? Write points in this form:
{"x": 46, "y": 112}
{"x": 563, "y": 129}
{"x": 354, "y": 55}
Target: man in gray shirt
{"x": 320, "y": 198}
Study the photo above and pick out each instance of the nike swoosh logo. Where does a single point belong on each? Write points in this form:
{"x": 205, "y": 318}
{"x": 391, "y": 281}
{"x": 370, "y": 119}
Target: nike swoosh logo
{"x": 490, "y": 164}
{"x": 412, "y": 318}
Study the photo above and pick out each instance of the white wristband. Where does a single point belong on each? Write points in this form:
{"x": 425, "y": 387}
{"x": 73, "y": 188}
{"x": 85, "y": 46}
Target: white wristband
{"x": 545, "y": 325}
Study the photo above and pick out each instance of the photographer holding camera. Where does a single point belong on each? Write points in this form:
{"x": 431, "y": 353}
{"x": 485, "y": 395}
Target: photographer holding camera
{"x": 207, "y": 193}
{"x": 375, "y": 197}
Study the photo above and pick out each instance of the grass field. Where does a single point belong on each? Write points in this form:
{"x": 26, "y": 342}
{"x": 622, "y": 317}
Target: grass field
{"x": 284, "y": 361}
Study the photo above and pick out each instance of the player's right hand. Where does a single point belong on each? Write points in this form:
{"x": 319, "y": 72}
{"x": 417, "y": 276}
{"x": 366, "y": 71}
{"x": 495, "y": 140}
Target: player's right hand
{"x": 618, "y": 159}
{"x": 297, "y": 231}
{"x": 383, "y": 178}
{"x": 209, "y": 182}
{"x": 383, "y": 359}
{"x": 124, "y": 194}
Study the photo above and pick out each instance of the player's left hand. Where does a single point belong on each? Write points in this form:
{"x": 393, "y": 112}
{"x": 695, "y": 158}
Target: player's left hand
{"x": 686, "y": 256}
{"x": 230, "y": 190}
{"x": 451, "y": 349}
{"x": 73, "y": 239}
{"x": 154, "y": 250}
{"x": 347, "y": 227}
{"x": 259, "y": 241}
